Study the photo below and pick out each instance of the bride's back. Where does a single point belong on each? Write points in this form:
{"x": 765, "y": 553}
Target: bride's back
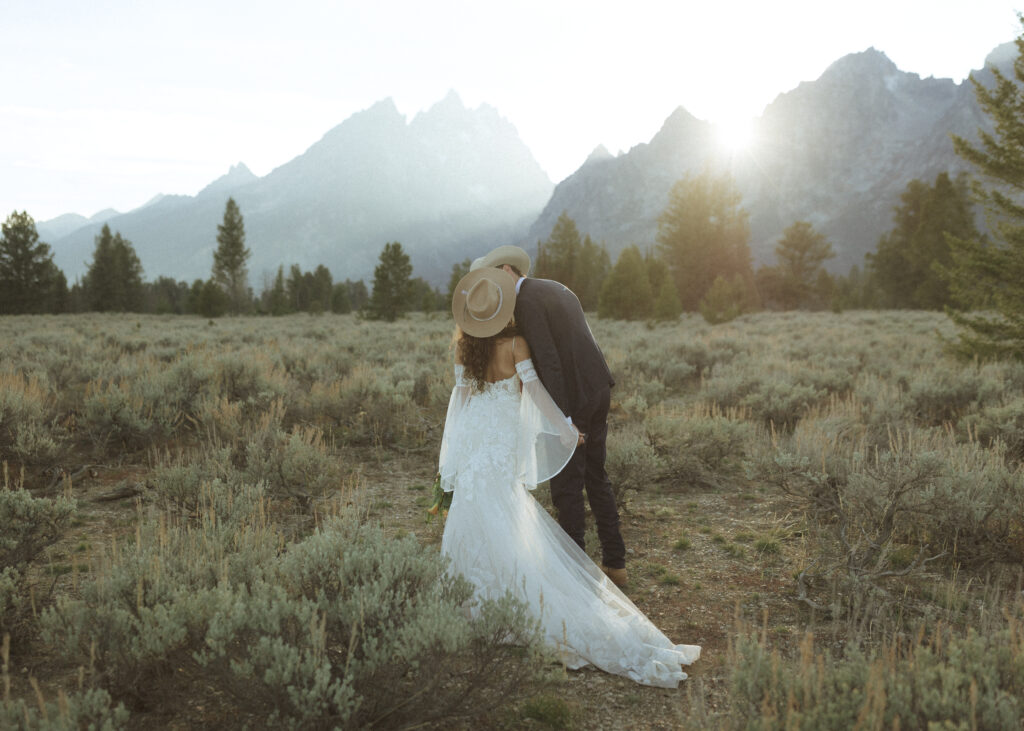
{"x": 503, "y": 363}
{"x": 506, "y": 352}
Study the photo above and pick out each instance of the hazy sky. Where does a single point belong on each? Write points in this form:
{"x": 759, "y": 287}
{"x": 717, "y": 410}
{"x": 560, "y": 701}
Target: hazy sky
{"x": 107, "y": 103}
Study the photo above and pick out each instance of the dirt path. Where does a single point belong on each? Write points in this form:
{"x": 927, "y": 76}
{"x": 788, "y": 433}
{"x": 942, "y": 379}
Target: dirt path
{"x": 695, "y": 559}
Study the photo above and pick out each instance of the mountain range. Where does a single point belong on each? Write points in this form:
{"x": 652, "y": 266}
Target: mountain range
{"x": 454, "y": 182}
{"x": 445, "y": 184}
{"x": 836, "y": 152}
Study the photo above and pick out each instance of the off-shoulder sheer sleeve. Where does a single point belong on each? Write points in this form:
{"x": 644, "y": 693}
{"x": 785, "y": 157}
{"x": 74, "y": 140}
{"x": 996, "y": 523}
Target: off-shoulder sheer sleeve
{"x": 456, "y": 406}
{"x": 546, "y": 439}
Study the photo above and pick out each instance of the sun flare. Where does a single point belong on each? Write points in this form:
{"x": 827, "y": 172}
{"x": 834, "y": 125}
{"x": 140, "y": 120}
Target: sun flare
{"x": 735, "y": 135}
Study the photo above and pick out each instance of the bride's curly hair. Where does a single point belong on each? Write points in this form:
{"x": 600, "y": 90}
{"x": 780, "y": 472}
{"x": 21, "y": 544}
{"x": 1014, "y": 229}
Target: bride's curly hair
{"x": 475, "y": 353}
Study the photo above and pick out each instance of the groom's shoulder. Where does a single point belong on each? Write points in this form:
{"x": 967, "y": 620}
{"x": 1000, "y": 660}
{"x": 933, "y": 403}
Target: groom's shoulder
{"x": 543, "y": 285}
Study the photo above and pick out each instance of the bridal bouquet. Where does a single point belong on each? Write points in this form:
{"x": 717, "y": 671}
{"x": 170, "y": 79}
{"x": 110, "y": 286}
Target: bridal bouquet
{"x": 442, "y": 500}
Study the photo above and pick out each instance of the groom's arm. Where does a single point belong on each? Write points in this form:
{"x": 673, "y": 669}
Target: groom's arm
{"x": 534, "y": 323}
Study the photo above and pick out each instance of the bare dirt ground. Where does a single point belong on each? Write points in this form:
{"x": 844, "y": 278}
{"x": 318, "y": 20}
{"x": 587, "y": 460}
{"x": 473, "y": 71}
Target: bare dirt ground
{"x": 696, "y": 562}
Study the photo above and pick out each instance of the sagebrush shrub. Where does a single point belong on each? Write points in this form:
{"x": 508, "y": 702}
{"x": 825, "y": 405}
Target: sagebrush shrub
{"x": 700, "y": 446}
{"x": 942, "y": 679}
{"x": 27, "y": 433}
{"x": 28, "y": 525}
{"x": 91, "y": 709}
{"x": 346, "y": 628}
{"x": 632, "y": 463}
{"x": 293, "y": 465}
{"x": 113, "y": 414}
{"x": 1003, "y": 423}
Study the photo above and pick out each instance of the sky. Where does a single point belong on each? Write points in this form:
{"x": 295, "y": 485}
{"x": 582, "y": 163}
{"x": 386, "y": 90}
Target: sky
{"x": 107, "y": 103}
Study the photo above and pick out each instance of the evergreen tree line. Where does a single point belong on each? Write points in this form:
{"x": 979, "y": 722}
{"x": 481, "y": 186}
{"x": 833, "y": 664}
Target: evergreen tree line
{"x": 700, "y": 262}
{"x": 30, "y": 282}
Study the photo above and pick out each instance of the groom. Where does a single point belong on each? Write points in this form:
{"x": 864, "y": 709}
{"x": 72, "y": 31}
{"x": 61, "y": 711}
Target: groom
{"x": 573, "y": 370}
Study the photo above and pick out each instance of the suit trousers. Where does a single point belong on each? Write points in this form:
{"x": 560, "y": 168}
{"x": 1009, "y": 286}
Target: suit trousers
{"x": 586, "y": 471}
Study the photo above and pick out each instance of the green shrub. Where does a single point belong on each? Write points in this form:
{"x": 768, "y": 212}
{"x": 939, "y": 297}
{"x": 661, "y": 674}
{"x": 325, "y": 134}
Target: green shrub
{"x": 27, "y": 436}
{"x": 925, "y": 493}
{"x": 631, "y": 462}
{"x": 699, "y": 447}
{"x": 294, "y": 465}
{"x": 346, "y": 628}
{"x": 998, "y": 423}
{"x": 549, "y": 710}
{"x": 90, "y": 709}
{"x": 113, "y": 414}
{"x": 725, "y": 300}
{"x": 945, "y": 680}
{"x": 28, "y": 525}
{"x": 179, "y": 483}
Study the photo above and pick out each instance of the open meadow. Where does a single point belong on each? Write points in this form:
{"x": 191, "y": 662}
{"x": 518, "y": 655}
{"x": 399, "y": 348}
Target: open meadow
{"x": 223, "y": 525}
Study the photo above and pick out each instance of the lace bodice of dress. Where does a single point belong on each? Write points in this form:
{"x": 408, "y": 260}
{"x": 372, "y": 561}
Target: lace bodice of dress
{"x": 502, "y": 389}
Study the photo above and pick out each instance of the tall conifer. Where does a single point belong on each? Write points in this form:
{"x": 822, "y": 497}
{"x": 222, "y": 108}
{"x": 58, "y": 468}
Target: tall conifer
{"x": 230, "y": 259}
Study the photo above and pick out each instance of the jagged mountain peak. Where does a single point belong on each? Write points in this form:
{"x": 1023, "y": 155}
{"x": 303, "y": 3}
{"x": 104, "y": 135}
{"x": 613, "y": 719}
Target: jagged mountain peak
{"x": 1002, "y": 56}
{"x": 679, "y": 128}
{"x": 451, "y": 102}
{"x": 382, "y": 115}
{"x": 599, "y": 154}
{"x": 236, "y": 176}
{"x": 867, "y": 62}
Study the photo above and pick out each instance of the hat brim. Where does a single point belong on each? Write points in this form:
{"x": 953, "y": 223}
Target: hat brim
{"x": 492, "y": 325}
{"x": 507, "y": 254}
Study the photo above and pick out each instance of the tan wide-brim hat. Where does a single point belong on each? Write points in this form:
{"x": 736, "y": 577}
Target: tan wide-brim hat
{"x": 484, "y": 301}
{"x": 504, "y": 255}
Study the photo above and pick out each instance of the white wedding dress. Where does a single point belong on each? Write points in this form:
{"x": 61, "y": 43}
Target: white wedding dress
{"x": 498, "y": 444}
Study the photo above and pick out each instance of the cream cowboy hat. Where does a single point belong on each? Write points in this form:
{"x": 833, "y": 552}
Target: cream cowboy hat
{"x": 483, "y": 302}
{"x": 504, "y": 255}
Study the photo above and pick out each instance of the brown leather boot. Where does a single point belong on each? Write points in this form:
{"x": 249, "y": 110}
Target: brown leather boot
{"x": 618, "y": 576}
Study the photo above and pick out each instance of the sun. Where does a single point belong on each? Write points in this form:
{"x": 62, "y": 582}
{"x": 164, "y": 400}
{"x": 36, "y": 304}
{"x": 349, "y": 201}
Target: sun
{"x": 735, "y": 135}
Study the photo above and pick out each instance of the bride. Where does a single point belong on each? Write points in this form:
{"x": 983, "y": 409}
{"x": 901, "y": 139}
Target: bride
{"x": 503, "y": 435}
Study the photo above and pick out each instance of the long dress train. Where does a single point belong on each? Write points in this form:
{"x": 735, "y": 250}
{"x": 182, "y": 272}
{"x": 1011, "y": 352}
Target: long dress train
{"x": 498, "y": 444}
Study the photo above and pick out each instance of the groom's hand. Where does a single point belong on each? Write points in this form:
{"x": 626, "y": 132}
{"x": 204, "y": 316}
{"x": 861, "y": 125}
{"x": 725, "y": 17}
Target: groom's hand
{"x": 581, "y": 440}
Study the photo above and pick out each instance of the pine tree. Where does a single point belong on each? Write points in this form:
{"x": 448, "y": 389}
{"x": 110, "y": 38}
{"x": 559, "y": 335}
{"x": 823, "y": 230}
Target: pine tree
{"x": 559, "y": 256}
{"x": 277, "y": 298}
{"x": 591, "y": 271}
{"x": 725, "y": 300}
{"x": 230, "y": 259}
{"x": 102, "y": 285}
{"x": 993, "y": 271}
{"x": 358, "y": 296}
{"x": 626, "y": 294}
{"x": 341, "y": 303}
{"x": 321, "y": 287}
{"x": 667, "y": 306}
{"x": 28, "y": 275}
{"x": 391, "y": 297}
{"x": 113, "y": 282}
{"x": 703, "y": 233}
{"x": 459, "y": 270}
{"x": 166, "y": 296}
{"x": 61, "y": 294}
{"x": 212, "y": 301}
{"x": 911, "y": 262}
{"x": 801, "y": 253}
{"x": 298, "y": 292}
{"x": 129, "y": 271}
